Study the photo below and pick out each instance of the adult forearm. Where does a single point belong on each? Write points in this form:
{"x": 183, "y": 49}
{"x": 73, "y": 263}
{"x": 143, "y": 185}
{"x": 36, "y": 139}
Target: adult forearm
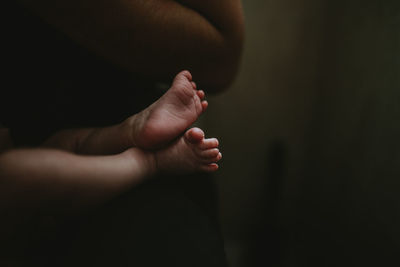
{"x": 156, "y": 38}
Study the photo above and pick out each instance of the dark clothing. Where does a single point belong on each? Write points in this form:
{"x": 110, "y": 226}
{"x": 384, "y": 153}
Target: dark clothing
{"x": 54, "y": 84}
{"x": 155, "y": 224}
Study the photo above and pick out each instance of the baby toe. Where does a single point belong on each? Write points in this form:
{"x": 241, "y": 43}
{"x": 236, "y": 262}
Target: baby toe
{"x": 204, "y": 105}
{"x": 217, "y": 158}
{"x": 194, "y": 135}
{"x": 201, "y": 94}
{"x": 184, "y": 74}
{"x": 209, "y": 153}
{"x": 209, "y": 143}
{"x": 209, "y": 167}
{"x": 213, "y": 159}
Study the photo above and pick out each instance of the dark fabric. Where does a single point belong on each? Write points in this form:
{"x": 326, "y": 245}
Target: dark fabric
{"x": 53, "y": 84}
{"x": 154, "y": 224}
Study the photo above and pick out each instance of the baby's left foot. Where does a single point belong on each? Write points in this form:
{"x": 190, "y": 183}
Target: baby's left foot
{"x": 190, "y": 153}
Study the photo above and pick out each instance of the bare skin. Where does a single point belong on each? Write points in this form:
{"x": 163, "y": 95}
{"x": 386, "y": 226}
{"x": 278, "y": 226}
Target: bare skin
{"x": 60, "y": 181}
{"x": 41, "y": 182}
{"x": 85, "y": 180}
{"x": 189, "y": 153}
{"x": 155, "y": 38}
{"x": 169, "y": 116}
{"x": 54, "y": 182}
{"x": 78, "y": 181}
{"x": 152, "y": 128}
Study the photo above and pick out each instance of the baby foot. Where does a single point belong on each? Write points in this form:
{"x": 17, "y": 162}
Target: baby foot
{"x": 170, "y": 115}
{"x": 190, "y": 153}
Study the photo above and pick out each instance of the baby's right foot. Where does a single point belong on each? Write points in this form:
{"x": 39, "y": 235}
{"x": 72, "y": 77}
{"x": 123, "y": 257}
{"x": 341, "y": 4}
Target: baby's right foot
{"x": 190, "y": 153}
{"x": 169, "y": 116}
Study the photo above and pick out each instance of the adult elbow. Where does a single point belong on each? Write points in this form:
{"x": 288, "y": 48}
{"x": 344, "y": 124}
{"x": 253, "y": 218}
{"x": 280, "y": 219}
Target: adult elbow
{"x": 223, "y": 76}
{"x": 221, "y": 72}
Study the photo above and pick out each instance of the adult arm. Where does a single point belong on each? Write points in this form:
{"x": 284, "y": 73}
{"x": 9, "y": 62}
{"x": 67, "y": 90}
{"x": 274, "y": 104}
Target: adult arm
{"x": 156, "y": 38}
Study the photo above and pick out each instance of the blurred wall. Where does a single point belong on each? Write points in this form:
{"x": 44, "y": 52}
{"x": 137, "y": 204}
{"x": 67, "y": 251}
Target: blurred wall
{"x": 309, "y": 133}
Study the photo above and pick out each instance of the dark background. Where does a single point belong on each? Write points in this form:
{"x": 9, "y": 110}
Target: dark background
{"x": 309, "y": 131}
{"x": 310, "y": 136}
